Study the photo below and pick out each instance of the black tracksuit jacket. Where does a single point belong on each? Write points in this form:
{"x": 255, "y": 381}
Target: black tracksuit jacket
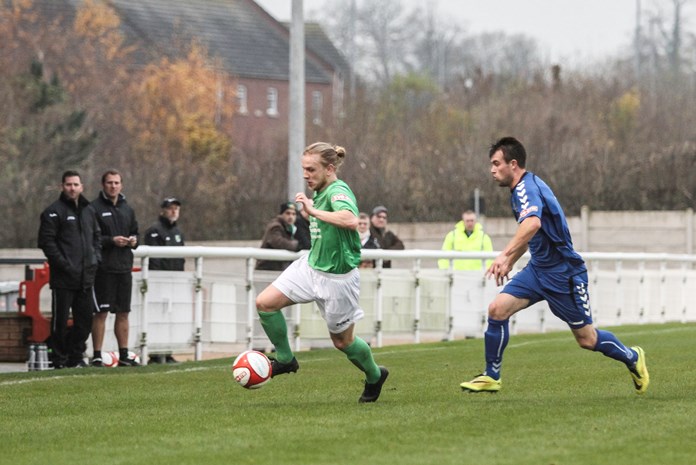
{"x": 70, "y": 237}
{"x": 115, "y": 220}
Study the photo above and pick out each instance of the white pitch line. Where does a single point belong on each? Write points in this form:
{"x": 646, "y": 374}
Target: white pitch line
{"x": 61, "y": 377}
{"x": 390, "y": 352}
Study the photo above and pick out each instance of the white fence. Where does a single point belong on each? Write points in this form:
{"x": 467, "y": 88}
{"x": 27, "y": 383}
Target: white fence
{"x": 214, "y": 310}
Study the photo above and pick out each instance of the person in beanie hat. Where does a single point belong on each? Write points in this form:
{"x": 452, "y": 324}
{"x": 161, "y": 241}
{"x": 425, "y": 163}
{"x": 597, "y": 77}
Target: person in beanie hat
{"x": 280, "y": 234}
{"x": 386, "y": 239}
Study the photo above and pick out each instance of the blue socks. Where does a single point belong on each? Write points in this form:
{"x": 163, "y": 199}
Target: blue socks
{"x": 496, "y": 339}
{"x": 610, "y": 346}
{"x": 497, "y": 336}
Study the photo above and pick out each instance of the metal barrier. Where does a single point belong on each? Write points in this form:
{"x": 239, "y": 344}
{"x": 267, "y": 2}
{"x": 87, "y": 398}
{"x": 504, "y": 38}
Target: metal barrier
{"x": 404, "y": 304}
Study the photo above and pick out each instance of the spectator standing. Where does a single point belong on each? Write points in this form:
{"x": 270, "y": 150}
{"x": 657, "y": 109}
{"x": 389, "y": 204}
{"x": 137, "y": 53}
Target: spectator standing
{"x": 555, "y": 273}
{"x": 302, "y": 234}
{"x": 114, "y": 282}
{"x": 328, "y": 275}
{"x": 166, "y": 232}
{"x": 467, "y": 236}
{"x": 386, "y": 239}
{"x": 280, "y": 234}
{"x": 70, "y": 238}
{"x": 367, "y": 240}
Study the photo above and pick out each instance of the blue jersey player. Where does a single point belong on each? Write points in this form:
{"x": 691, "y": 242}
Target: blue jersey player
{"x": 555, "y": 273}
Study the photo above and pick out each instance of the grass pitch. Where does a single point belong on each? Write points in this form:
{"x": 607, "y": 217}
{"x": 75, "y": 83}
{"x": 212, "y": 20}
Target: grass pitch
{"x": 559, "y": 405}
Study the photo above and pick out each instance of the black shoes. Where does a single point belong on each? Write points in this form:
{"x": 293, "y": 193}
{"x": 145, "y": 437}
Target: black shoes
{"x": 162, "y": 359}
{"x": 76, "y": 364}
{"x": 97, "y": 362}
{"x": 372, "y": 391}
{"x": 128, "y": 362}
{"x": 278, "y": 368}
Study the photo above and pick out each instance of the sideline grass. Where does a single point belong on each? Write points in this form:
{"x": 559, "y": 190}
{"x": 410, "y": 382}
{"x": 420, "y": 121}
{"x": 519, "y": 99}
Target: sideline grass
{"x": 559, "y": 405}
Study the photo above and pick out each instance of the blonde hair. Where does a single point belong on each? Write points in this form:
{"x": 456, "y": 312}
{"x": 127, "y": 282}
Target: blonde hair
{"x": 330, "y": 154}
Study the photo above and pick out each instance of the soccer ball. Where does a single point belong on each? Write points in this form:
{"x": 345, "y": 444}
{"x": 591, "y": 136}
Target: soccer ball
{"x": 110, "y": 359}
{"x": 134, "y": 356}
{"x": 251, "y": 369}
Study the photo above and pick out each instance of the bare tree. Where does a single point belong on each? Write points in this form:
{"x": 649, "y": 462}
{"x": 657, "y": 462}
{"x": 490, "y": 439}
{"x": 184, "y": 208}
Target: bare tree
{"x": 666, "y": 37}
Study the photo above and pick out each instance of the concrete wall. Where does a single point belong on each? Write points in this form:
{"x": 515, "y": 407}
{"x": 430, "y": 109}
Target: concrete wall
{"x": 600, "y": 231}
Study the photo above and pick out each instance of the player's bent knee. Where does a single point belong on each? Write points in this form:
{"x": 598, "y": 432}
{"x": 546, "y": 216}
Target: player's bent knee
{"x": 586, "y": 337}
{"x": 262, "y": 305}
{"x": 587, "y": 342}
{"x": 343, "y": 340}
{"x": 497, "y": 312}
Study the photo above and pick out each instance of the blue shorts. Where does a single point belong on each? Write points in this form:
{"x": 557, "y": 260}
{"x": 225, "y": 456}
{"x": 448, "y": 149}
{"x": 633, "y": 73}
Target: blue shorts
{"x": 571, "y": 306}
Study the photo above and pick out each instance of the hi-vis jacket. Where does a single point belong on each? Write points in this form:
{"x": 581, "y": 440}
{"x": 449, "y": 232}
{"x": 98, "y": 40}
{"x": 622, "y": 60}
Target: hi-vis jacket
{"x": 457, "y": 240}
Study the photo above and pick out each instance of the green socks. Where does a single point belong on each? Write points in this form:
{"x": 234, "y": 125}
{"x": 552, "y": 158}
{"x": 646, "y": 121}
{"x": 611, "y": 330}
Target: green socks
{"x": 276, "y": 329}
{"x": 360, "y": 354}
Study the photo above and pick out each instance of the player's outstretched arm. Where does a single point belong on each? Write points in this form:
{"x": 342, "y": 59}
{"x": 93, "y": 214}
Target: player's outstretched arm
{"x": 503, "y": 263}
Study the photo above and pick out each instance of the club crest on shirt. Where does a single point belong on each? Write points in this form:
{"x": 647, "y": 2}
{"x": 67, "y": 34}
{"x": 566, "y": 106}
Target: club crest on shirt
{"x": 338, "y": 197}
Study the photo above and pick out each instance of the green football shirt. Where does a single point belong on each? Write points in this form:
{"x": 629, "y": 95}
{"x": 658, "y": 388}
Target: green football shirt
{"x": 334, "y": 250}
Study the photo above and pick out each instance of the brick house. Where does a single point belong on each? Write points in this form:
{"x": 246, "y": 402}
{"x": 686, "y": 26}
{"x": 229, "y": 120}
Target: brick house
{"x": 253, "y": 47}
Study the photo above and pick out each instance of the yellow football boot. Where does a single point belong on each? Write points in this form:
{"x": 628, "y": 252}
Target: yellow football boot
{"x": 482, "y": 383}
{"x": 639, "y": 373}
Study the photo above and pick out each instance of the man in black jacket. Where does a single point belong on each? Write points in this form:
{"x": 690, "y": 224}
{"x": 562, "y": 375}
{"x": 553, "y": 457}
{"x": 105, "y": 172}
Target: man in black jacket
{"x": 165, "y": 232}
{"x": 114, "y": 281}
{"x": 69, "y": 236}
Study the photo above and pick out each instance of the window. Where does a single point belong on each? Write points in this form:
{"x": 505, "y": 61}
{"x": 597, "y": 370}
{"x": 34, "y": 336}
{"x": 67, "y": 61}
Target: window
{"x": 242, "y": 104}
{"x": 272, "y": 97}
{"x": 317, "y": 105}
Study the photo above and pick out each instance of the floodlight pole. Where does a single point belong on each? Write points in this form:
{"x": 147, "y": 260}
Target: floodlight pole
{"x": 296, "y": 123}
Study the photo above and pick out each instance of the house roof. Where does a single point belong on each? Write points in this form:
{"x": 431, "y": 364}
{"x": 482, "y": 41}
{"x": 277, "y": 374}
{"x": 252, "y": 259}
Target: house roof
{"x": 248, "y": 40}
{"x": 317, "y": 40}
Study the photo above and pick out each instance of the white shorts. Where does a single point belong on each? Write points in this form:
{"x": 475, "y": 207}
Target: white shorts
{"x": 336, "y": 295}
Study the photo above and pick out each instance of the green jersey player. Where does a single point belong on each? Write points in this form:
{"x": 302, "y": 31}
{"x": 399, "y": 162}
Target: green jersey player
{"x": 328, "y": 275}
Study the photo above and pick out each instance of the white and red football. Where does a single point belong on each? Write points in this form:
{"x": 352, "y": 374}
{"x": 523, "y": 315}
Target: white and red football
{"x": 251, "y": 369}
{"x": 110, "y": 359}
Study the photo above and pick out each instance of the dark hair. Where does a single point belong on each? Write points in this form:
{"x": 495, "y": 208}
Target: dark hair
{"x": 330, "y": 154}
{"x": 70, "y": 174}
{"x": 512, "y": 150}
{"x": 110, "y": 173}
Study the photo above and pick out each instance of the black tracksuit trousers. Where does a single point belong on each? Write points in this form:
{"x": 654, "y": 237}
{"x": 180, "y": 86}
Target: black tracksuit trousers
{"x": 68, "y": 343}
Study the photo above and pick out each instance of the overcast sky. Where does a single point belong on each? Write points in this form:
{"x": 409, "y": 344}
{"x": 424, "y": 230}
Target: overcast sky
{"x": 566, "y": 30}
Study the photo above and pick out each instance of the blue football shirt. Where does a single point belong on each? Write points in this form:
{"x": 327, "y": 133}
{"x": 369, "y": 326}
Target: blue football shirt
{"x": 551, "y": 247}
